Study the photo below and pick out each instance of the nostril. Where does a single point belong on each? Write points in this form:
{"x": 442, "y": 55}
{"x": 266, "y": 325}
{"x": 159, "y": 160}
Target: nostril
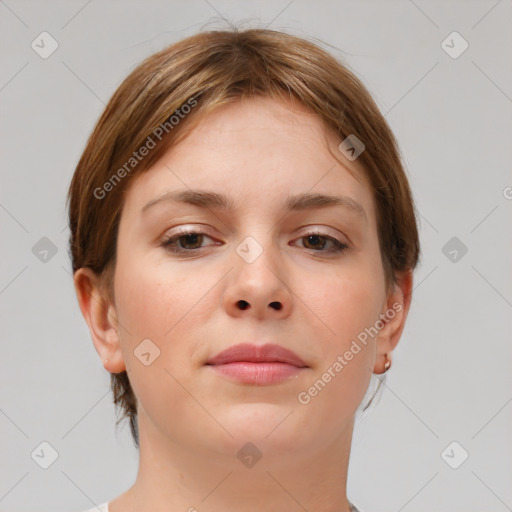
{"x": 243, "y": 304}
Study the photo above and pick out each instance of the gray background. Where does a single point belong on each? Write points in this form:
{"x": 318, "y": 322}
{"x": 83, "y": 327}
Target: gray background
{"x": 451, "y": 374}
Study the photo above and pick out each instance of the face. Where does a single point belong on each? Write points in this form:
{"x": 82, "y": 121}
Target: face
{"x": 309, "y": 279}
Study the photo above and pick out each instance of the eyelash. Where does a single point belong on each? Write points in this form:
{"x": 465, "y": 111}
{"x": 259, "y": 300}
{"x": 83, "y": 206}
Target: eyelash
{"x": 167, "y": 244}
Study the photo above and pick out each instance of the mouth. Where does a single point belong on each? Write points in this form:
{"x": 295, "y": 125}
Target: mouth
{"x": 257, "y": 364}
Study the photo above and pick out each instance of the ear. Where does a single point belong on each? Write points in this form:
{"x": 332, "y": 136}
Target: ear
{"x": 101, "y": 317}
{"x": 394, "y": 314}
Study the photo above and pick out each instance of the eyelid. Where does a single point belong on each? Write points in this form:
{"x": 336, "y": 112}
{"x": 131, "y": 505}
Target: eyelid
{"x": 324, "y": 231}
{"x": 188, "y": 228}
{"x": 305, "y": 230}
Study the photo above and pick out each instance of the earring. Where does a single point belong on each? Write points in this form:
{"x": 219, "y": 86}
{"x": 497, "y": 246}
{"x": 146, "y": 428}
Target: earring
{"x": 387, "y": 364}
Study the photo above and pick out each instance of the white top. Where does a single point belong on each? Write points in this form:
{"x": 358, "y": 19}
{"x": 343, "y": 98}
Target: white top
{"x": 99, "y": 508}
{"x": 104, "y": 508}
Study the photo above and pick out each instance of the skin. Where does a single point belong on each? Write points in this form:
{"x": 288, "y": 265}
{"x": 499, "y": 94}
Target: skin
{"x": 192, "y": 421}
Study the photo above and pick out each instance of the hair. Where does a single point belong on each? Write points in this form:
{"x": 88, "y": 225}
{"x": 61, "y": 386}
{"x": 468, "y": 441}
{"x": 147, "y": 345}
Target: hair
{"x": 168, "y": 91}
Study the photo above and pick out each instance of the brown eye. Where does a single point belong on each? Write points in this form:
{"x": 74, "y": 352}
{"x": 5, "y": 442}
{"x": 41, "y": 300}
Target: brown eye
{"x": 313, "y": 240}
{"x": 190, "y": 239}
{"x": 317, "y": 242}
{"x": 185, "y": 242}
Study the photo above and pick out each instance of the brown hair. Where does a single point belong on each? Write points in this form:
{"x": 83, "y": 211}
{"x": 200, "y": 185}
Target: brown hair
{"x": 205, "y": 71}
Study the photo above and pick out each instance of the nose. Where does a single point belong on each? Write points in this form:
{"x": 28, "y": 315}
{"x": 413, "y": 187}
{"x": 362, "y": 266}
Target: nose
{"x": 259, "y": 288}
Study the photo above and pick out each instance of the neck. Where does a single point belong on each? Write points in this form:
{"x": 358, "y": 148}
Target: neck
{"x": 198, "y": 477}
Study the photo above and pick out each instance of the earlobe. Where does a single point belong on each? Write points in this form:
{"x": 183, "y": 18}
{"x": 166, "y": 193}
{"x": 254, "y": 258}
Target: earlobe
{"x": 101, "y": 317}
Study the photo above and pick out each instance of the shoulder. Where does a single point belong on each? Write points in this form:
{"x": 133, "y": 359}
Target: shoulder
{"x": 99, "y": 508}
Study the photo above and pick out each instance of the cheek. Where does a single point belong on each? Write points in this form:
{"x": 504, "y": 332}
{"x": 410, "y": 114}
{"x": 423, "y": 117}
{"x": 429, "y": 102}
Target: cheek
{"x": 153, "y": 298}
{"x": 154, "y": 304}
{"x": 168, "y": 306}
{"x": 346, "y": 306}
{"x": 344, "y": 302}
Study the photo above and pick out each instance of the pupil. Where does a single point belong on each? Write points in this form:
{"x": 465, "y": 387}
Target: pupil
{"x": 191, "y": 238}
{"x": 313, "y": 239}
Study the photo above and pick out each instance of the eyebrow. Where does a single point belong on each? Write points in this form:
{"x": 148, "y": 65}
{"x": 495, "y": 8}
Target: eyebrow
{"x": 219, "y": 201}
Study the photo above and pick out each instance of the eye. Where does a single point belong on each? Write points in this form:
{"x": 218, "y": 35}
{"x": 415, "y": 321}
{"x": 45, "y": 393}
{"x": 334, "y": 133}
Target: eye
{"x": 317, "y": 242}
{"x": 185, "y": 242}
{"x": 189, "y": 242}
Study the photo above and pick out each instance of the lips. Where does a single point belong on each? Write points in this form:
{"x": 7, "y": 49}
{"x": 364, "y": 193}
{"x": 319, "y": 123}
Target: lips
{"x": 247, "y": 352}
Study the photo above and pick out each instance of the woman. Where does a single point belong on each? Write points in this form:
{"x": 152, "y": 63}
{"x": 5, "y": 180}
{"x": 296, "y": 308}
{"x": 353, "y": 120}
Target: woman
{"x": 243, "y": 238}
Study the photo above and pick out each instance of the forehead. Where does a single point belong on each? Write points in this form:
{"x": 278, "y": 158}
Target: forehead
{"x": 262, "y": 119}
{"x": 256, "y": 151}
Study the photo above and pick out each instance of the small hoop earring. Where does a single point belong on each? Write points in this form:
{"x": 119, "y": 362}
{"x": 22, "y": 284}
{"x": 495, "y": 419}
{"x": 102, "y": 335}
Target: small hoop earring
{"x": 387, "y": 364}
